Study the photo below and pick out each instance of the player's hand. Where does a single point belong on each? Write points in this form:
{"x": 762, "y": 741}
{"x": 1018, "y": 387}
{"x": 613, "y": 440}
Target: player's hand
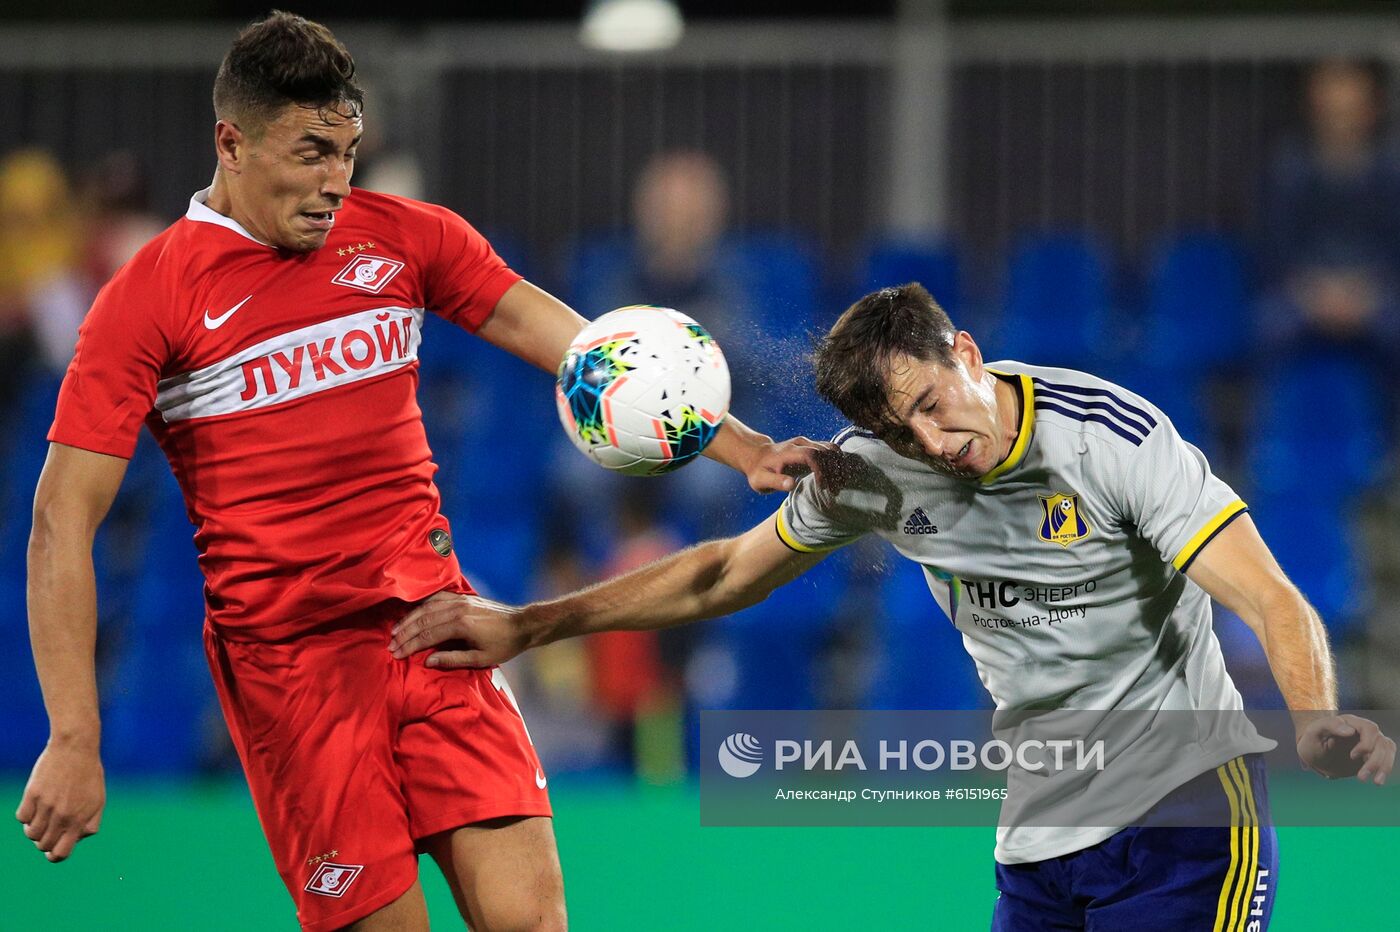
{"x": 476, "y": 632}
{"x": 776, "y": 466}
{"x": 63, "y": 801}
{"x": 1347, "y": 745}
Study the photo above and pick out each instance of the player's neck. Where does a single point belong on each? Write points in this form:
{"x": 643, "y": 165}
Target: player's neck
{"x": 1008, "y": 415}
{"x": 221, "y": 201}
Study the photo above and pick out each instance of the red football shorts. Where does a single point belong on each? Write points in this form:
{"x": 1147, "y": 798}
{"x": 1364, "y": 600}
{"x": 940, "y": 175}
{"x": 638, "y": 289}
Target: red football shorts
{"x": 353, "y": 757}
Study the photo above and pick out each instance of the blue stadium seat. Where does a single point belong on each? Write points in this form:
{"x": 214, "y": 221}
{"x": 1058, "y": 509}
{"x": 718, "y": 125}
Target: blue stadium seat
{"x": 23, "y": 722}
{"x": 499, "y": 556}
{"x": 168, "y": 592}
{"x": 921, "y": 662}
{"x": 935, "y": 265}
{"x": 1319, "y": 440}
{"x": 1314, "y": 542}
{"x": 158, "y": 699}
{"x": 1320, "y": 428}
{"x": 160, "y": 703}
{"x": 1194, "y": 329}
{"x": 591, "y": 264}
{"x": 1197, "y": 313}
{"x": 23, "y": 449}
{"x": 783, "y": 276}
{"x": 448, "y": 352}
{"x": 776, "y": 669}
{"x": 1057, "y": 309}
{"x": 494, "y": 455}
{"x": 772, "y": 381}
{"x": 777, "y": 643}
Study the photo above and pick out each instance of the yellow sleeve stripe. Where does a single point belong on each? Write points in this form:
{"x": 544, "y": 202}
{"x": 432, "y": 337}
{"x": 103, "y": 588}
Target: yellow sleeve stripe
{"x": 1212, "y": 527}
{"x": 785, "y": 535}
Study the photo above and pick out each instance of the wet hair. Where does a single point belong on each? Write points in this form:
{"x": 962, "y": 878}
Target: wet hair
{"x": 280, "y": 60}
{"x": 852, "y": 361}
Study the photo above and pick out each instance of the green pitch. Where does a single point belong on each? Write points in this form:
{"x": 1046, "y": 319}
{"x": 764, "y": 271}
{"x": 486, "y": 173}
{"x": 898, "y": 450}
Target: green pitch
{"x": 183, "y": 857}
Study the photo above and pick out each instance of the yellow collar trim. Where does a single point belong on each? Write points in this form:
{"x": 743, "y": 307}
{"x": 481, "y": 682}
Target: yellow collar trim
{"x": 1023, "y": 435}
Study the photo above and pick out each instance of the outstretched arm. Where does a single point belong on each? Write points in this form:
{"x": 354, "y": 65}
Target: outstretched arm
{"x": 1237, "y": 570}
{"x": 531, "y": 323}
{"x": 63, "y": 800}
{"x": 714, "y": 578}
{"x": 537, "y": 327}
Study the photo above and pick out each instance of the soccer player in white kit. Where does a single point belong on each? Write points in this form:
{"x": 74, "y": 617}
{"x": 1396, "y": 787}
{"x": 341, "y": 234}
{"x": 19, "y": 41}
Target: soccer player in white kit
{"x": 1075, "y": 540}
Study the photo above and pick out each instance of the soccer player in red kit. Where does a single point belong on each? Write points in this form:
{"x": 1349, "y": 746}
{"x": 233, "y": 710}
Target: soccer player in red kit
{"x": 269, "y": 341}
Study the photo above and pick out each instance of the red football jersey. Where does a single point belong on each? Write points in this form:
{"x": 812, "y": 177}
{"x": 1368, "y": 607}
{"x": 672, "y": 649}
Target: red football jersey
{"x": 282, "y": 388}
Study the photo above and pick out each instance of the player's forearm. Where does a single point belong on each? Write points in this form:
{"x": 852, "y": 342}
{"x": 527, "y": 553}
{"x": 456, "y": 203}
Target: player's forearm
{"x": 737, "y": 444}
{"x": 62, "y": 597}
{"x": 1295, "y": 643}
{"x": 533, "y": 325}
{"x": 691, "y": 585}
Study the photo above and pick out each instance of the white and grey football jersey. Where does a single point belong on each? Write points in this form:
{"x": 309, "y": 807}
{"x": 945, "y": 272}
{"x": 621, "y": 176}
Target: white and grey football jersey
{"x": 1063, "y": 569}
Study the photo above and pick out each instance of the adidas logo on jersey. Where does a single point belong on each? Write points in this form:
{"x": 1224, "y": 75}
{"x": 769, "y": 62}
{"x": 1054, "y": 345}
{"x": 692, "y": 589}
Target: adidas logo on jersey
{"x": 919, "y": 523}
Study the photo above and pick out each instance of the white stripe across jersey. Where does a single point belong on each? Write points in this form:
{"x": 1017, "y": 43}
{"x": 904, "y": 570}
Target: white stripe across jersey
{"x": 296, "y": 364}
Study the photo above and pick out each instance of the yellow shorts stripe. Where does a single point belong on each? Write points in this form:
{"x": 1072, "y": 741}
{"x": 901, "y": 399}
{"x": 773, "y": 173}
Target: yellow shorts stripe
{"x": 1251, "y": 867}
{"x": 1232, "y": 908}
{"x": 1202, "y": 537}
{"x": 1236, "y": 912}
{"x": 1222, "y": 907}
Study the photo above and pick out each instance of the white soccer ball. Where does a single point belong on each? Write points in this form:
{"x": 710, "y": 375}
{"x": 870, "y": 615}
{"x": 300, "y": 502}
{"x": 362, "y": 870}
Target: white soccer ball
{"x": 643, "y": 390}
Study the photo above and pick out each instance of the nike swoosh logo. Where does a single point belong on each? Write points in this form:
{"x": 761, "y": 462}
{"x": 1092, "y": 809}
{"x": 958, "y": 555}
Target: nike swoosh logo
{"x": 214, "y": 323}
{"x": 540, "y": 779}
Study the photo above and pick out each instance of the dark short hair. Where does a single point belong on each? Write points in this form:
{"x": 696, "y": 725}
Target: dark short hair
{"x": 280, "y": 60}
{"x": 852, "y": 360}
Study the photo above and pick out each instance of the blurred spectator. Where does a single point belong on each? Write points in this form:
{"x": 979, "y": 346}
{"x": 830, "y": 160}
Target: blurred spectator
{"x": 39, "y": 240}
{"x": 636, "y": 674}
{"x": 116, "y": 223}
{"x": 680, "y": 208}
{"x": 557, "y": 674}
{"x": 675, "y": 256}
{"x": 1333, "y": 222}
{"x": 552, "y": 682}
